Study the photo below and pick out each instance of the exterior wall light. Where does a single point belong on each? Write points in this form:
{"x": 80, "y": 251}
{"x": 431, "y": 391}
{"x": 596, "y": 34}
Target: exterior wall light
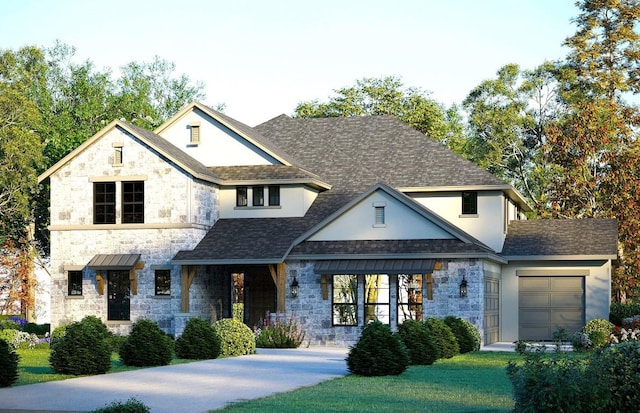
{"x": 463, "y": 287}
{"x": 294, "y": 288}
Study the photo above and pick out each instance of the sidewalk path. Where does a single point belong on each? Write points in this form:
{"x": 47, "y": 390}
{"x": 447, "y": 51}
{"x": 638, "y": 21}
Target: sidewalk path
{"x": 192, "y": 387}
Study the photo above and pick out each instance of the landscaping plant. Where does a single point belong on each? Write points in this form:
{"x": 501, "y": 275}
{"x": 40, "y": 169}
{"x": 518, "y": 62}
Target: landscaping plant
{"x": 146, "y": 346}
{"x": 236, "y": 339}
{"x": 467, "y": 335}
{"x": 378, "y": 352}
{"x": 618, "y": 312}
{"x": 279, "y": 333}
{"x": 198, "y": 341}
{"x": 132, "y": 405}
{"x": 83, "y": 349}
{"x": 8, "y": 364}
{"x": 599, "y": 331}
{"x": 420, "y": 345}
{"x": 618, "y": 371}
{"x": 443, "y": 336}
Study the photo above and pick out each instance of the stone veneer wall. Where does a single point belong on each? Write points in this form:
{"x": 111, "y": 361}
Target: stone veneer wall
{"x": 314, "y": 313}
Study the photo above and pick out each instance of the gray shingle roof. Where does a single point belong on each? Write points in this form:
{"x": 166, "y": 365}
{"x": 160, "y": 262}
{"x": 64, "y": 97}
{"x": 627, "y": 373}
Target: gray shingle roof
{"x": 261, "y": 172}
{"x": 388, "y": 247}
{"x": 561, "y": 237}
{"x": 353, "y": 153}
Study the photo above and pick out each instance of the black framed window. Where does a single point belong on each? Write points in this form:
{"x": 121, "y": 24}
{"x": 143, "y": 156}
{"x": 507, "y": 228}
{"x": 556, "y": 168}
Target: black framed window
{"x": 74, "y": 282}
{"x": 258, "y": 195}
{"x": 241, "y": 196}
{"x": 469, "y": 203}
{"x": 274, "y": 195}
{"x": 345, "y": 300}
{"x": 409, "y": 297}
{"x": 133, "y": 202}
{"x": 163, "y": 282}
{"x": 376, "y": 298}
{"x": 104, "y": 203}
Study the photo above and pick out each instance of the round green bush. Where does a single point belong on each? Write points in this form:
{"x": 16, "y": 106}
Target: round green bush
{"x": 378, "y": 352}
{"x": 599, "y": 331}
{"x": 467, "y": 335}
{"x": 618, "y": 370}
{"x": 146, "y": 346}
{"x": 420, "y": 345}
{"x": 83, "y": 349}
{"x": 236, "y": 339}
{"x": 198, "y": 341}
{"x": 8, "y": 364}
{"x": 132, "y": 405}
{"x": 443, "y": 336}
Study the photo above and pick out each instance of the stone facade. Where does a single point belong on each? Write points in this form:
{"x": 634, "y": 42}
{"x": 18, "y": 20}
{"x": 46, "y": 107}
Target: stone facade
{"x": 313, "y": 312}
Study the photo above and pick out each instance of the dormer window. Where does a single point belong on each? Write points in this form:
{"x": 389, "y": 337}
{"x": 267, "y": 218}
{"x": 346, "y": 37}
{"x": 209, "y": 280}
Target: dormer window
{"x": 241, "y": 196}
{"x": 117, "y": 154}
{"x": 469, "y": 203}
{"x": 195, "y": 133}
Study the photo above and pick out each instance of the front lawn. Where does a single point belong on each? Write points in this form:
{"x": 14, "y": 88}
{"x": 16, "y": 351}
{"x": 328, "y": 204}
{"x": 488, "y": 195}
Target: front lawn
{"x": 473, "y": 382}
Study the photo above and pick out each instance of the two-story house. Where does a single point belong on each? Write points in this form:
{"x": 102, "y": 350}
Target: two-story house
{"x": 335, "y": 221}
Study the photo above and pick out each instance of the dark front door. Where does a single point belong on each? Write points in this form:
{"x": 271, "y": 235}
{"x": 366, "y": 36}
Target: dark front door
{"x": 260, "y": 295}
{"x": 119, "y": 293}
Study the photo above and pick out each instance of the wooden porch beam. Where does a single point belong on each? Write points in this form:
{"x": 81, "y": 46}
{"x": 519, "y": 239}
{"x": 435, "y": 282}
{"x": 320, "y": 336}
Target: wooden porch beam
{"x": 279, "y": 275}
{"x": 188, "y": 274}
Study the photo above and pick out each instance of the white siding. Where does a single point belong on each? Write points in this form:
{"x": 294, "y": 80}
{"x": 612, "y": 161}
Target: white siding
{"x": 487, "y": 226}
{"x": 218, "y": 145}
{"x": 401, "y": 222}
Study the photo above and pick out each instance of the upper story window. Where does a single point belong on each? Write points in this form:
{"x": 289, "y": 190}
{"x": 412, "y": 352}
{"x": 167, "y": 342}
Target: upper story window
{"x": 195, "y": 133}
{"x": 117, "y": 154}
{"x": 133, "y": 202}
{"x": 258, "y": 195}
{"x": 104, "y": 203}
{"x": 241, "y": 196}
{"x": 469, "y": 203}
{"x": 274, "y": 195}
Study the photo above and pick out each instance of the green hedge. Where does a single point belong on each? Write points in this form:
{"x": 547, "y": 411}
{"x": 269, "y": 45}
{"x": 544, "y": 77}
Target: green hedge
{"x": 236, "y": 339}
{"x": 378, "y": 352}
{"x": 619, "y": 311}
{"x": 83, "y": 349}
{"x": 198, "y": 341}
{"x": 146, "y": 346}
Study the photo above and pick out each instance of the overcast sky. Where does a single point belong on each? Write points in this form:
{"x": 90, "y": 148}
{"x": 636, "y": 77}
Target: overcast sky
{"x": 261, "y": 58}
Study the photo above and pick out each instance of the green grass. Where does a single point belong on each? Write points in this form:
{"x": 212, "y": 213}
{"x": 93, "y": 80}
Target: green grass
{"x": 475, "y": 382}
{"x": 34, "y": 367}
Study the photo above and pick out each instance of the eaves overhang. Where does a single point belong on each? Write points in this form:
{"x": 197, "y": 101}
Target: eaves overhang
{"x": 603, "y": 257}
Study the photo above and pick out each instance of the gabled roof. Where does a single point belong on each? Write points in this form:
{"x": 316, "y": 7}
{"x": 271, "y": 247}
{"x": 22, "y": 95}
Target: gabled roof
{"x": 272, "y": 240}
{"x": 562, "y": 239}
{"x": 250, "y": 134}
{"x": 152, "y": 140}
{"x": 354, "y": 153}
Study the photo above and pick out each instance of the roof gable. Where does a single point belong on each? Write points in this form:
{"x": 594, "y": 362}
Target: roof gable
{"x": 224, "y": 141}
{"x": 151, "y": 140}
{"x": 355, "y": 220}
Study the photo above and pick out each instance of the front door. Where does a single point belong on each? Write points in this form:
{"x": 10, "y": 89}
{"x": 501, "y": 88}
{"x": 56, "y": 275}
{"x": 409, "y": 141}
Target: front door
{"x": 260, "y": 295}
{"x": 119, "y": 295}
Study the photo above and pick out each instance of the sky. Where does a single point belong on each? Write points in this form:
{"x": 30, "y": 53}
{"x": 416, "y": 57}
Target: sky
{"x": 262, "y": 57}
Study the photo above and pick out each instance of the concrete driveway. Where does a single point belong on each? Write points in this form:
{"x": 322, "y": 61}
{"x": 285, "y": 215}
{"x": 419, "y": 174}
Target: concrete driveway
{"x": 192, "y": 387}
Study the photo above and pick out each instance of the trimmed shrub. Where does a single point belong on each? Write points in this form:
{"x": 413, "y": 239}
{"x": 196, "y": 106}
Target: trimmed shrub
{"x": 467, "y": 335}
{"x": 146, "y": 346}
{"x": 619, "y": 312}
{"x": 83, "y": 349}
{"x": 599, "y": 331}
{"x": 420, "y": 345}
{"x": 279, "y": 333}
{"x": 132, "y": 405}
{"x": 443, "y": 337}
{"x": 198, "y": 341}
{"x": 8, "y": 324}
{"x": 236, "y": 339}
{"x": 58, "y": 333}
{"x": 8, "y": 364}
{"x": 378, "y": 352}
{"x": 555, "y": 383}
{"x": 618, "y": 369}
{"x": 37, "y": 329}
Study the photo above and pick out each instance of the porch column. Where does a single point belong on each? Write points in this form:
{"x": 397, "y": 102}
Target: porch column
{"x": 188, "y": 274}
{"x": 279, "y": 275}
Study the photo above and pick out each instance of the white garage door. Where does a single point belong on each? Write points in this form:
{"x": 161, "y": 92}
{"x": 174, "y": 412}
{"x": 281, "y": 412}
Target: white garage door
{"x": 547, "y": 304}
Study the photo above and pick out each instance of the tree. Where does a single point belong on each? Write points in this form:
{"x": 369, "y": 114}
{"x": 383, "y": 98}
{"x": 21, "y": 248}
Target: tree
{"x": 507, "y": 118}
{"x": 388, "y": 96}
{"x": 594, "y": 145}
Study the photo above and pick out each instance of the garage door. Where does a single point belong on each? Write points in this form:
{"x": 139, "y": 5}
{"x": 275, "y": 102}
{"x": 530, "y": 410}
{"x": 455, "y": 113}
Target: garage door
{"x": 547, "y": 304}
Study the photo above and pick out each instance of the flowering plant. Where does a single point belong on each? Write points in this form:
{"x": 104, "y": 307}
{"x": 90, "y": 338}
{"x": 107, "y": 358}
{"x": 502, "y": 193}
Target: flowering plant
{"x": 278, "y": 332}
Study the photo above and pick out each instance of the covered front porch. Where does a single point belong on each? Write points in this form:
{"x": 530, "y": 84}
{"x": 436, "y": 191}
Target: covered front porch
{"x": 246, "y": 291}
